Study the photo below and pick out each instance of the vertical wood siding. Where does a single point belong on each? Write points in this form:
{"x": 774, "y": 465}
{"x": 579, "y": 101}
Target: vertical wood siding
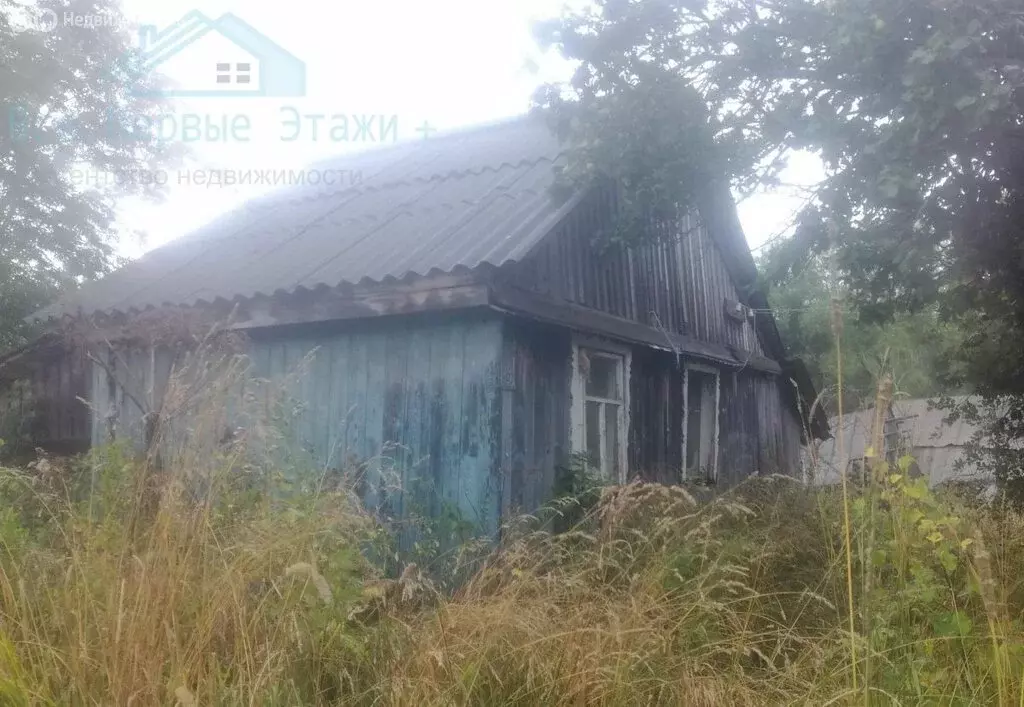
{"x": 761, "y": 431}
{"x": 758, "y": 432}
{"x": 679, "y": 281}
{"x": 710, "y": 285}
{"x": 46, "y": 405}
{"x": 139, "y": 375}
{"x": 740, "y": 450}
{"x": 540, "y": 359}
{"x": 428, "y": 397}
{"x": 776, "y": 425}
{"x": 420, "y": 396}
{"x": 631, "y": 284}
{"x": 656, "y": 434}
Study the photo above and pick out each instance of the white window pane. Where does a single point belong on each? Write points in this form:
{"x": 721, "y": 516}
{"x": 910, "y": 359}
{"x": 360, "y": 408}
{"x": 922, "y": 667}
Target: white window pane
{"x": 603, "y": 377}
{"x": 700, "y": 424}
{"x": 693, "y": 420}
{"x": 611, "y": 441}
{"x": 592, "y": 430}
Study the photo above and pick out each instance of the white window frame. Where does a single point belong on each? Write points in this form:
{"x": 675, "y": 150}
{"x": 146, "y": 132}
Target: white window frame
{"x": 707, "y": 370}
{"x": 578, "y": 410}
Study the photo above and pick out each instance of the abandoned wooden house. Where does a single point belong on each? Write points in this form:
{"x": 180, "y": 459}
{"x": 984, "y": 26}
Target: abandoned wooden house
{"x": 463, "y": 313}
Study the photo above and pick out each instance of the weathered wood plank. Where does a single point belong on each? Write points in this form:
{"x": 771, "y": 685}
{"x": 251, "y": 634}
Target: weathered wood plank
{"x": 324, "y": 389}
{"x": 509, "y": 298}
{"x": 373, "y": 441}
{"x": 395, "y": 423}
{"x": 417, "y": 381}
{"x": 452, "y": 385}
{"x": 436, "y": 415}
{"x": 479, "y": 497}
{"x": 540, "y": 398}
{"x": 446, "y": 292}
{"x": 351, "y": 412}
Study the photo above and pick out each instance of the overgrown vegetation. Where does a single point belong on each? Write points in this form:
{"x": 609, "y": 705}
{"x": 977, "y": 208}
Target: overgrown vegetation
{"x": 914, "y": 348}
{"x": 140, "y": 591}
{"x": 220, "y": 571}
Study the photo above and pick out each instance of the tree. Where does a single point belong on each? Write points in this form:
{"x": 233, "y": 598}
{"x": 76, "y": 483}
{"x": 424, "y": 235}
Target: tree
{"x": 912, "y": 347}
{"x": 74, "y": 134}
{"x": 916, "y": 108}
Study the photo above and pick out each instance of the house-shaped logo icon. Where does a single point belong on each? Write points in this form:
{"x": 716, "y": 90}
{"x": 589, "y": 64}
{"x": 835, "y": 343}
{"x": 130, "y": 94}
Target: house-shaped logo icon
{"x": 221, "y": 57}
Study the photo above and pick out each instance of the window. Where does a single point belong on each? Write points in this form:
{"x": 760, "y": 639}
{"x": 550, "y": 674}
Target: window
{"x": 243, "y": 73}
{"x": 601, "y": 408}
{"x": 700, "y": 423}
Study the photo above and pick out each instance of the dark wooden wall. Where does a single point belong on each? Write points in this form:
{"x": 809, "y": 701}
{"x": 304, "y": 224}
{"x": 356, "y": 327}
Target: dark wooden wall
{"x": 44, "y": 407}
{"x": 478, "y": 406}
{"x": 656, "y": 429}
{"x": 757, "y": 430}
{"x": 709, "y": 287}
{"x": 539, "y": 360}
{"x": 627, "y": 283}
{"x": 680, "y": 281}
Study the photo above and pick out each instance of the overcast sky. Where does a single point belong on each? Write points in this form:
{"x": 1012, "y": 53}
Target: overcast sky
{"x": 450, "y": 63}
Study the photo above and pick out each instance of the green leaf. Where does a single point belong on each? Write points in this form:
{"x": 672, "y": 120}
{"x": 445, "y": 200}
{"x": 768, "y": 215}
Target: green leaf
{"x": 948, "y": 560}
{"x": 952, "y": 624}
{"x": 916, "y": 490}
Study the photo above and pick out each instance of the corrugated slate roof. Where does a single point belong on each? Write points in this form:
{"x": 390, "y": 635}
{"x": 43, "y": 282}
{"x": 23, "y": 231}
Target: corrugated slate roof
{"x": 461, "y": 200}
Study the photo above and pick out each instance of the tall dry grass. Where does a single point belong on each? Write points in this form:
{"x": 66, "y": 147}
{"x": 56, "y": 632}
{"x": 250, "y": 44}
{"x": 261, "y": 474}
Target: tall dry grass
{"x": 200, "y": 574}
{"x": 651, "y": 599}
{"x": 190, "y": 573}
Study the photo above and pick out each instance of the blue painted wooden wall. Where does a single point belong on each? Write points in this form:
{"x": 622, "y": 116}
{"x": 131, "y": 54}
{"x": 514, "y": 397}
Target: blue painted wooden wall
{"x": 415, "y": 396}
{"x": 418, "y": 397}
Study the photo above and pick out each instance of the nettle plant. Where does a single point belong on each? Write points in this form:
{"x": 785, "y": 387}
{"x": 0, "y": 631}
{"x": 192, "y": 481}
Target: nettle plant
{"x": 926, "y": 585}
